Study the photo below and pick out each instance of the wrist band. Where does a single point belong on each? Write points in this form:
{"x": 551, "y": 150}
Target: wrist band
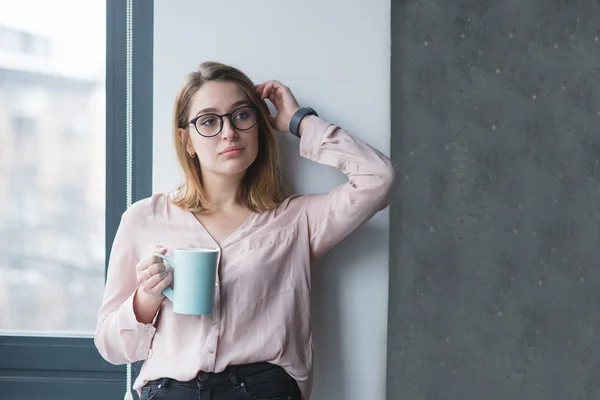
{"x": 297, "y": 117}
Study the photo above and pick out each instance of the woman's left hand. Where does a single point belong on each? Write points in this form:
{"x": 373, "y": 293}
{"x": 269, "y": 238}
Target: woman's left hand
{"x": 284, "y": 101}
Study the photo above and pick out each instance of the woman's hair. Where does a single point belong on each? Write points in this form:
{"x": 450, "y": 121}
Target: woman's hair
{"x": 262, "y": 188}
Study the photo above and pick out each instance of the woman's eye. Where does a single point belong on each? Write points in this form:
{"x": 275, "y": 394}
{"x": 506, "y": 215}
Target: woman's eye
{"x": 242, "y": 115}
{"x": 207, "y": 122}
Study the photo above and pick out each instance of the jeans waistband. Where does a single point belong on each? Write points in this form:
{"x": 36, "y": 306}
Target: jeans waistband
{"x": 231, "y": 374}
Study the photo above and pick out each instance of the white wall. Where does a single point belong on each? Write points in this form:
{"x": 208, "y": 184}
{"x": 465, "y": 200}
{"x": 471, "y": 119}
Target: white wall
{"x": 335, "y": 56}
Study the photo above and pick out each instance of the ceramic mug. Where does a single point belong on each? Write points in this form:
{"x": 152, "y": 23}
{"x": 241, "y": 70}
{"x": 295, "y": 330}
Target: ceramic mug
{"x": 194, "y": 279}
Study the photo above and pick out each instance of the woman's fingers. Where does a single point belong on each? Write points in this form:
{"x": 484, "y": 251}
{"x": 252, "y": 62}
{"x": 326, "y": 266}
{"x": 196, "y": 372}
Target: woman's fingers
{"x": 152, "y": 275}
{"x": 268, "y": 88}
{"x": 163, "y": 283}
{"x": 151, "y": 282}
{"x": 152, "y": 259}
{"x": 154, "y": 269}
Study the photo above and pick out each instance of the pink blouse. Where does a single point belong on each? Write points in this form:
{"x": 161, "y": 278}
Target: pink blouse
{"x": 262, "y": 295}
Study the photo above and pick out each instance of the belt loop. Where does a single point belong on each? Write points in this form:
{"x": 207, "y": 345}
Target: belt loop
{"x": 233, "y": 376}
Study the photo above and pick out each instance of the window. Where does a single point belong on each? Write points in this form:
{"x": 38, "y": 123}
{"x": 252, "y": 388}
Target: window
{"x": 37, "y": 100}
{"x": 62, "y": 185}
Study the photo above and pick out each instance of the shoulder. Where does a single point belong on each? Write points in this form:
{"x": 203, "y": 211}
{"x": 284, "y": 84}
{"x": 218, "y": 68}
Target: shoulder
{"x": 149, "y": 209}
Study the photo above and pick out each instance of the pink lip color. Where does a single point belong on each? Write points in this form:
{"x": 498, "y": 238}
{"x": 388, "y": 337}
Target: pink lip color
{"x": 232, "y": 153}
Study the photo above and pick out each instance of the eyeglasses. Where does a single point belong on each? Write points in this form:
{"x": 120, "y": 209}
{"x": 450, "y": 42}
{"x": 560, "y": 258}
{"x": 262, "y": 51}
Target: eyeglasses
{"x": 209, "y": 125}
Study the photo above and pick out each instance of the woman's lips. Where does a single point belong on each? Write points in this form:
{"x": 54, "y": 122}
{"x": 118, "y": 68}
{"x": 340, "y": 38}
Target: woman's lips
{"x": 231, "y": 152}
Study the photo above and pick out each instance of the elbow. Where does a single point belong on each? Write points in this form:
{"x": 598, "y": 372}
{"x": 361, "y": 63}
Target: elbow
{"x": 106, "y": 349}
{"x": 110, "y": 356}
{"x": 385, "y": 188}
{"x": 374, "y": 191}
{"x": 100, "y": 344}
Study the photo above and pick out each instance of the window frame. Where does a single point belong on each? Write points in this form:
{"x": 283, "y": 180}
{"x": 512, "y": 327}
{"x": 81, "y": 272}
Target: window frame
{"x": 41, "y": 366}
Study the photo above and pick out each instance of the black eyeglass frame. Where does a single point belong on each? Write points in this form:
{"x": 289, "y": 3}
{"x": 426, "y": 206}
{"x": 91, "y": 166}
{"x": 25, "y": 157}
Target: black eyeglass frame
{"x": 229, "y": 115}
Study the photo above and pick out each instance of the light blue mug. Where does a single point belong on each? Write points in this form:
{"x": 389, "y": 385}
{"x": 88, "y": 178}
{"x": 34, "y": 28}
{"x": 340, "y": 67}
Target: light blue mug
{"x": 194, "y": 278}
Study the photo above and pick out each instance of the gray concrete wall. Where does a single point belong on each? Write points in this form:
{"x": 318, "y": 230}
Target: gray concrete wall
{"x": 495, "y": 226}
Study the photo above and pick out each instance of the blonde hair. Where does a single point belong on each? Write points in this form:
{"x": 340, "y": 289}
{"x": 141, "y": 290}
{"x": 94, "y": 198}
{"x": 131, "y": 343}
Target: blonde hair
{"x": 262, "y": 187}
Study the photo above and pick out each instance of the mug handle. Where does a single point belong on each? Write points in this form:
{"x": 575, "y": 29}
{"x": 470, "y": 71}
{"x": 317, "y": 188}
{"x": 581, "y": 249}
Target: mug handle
{"x": 167, "y": 291}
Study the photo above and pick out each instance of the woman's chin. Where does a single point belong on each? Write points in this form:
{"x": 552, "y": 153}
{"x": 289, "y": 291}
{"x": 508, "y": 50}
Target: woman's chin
{"x": 235, "y": 169}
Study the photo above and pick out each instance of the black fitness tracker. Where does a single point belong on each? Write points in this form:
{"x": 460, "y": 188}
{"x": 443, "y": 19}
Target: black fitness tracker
{"x": 297, "y": 117}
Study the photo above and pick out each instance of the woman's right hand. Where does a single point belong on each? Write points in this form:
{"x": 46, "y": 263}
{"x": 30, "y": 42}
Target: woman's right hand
{"x": 152, "y": 276}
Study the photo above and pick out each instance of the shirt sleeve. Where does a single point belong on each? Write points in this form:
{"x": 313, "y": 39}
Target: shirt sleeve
{"x": 120, "y": 337}
{"x": 333, "y": 216}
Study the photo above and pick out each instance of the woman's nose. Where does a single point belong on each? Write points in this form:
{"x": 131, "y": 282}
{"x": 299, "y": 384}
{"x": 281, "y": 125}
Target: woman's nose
{"x": 229, "y": 132}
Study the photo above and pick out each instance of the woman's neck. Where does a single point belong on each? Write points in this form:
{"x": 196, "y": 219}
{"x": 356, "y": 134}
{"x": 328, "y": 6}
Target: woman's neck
{"x": 222, "y": 191}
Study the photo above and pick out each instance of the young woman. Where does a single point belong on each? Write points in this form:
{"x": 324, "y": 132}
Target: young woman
{"x": 257, "y": 344}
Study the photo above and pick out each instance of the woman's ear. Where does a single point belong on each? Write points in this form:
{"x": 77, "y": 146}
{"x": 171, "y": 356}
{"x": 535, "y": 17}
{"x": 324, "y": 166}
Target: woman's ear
{"x": 184, "y": 137}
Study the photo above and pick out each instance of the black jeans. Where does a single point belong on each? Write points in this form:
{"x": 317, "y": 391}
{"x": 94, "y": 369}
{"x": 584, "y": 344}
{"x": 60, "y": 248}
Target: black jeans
{"x": 260, "y": 381}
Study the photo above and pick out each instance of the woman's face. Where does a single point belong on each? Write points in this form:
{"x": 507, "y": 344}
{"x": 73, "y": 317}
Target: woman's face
{"x": 235, "y": 147}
